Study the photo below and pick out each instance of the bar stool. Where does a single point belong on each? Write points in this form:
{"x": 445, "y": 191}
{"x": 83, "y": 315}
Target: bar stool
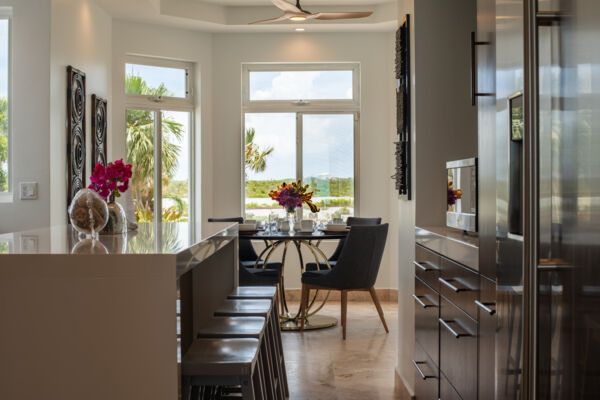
{"x": 260, "y": 308}
{"x": 210, "y": 362}
{"x": 245, "y": 327}
{"x": 265, "y": 292}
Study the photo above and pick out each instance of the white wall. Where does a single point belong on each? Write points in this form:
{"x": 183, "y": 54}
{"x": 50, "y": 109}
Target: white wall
{"x": 176, "y": 44}
{"x": 443, "y": 128}
{"x": 29, "y": 114}
{"x": 80, "y": 37}
{"x": 373, "y": 51}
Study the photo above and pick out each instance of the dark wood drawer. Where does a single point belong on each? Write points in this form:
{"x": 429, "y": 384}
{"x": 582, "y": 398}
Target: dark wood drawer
{"x": 427, "y": 312}
{"x": 447, "y": 392}
{"x": 460, "y": 285}
{"x": 426, "y": 375}
{"x": 458, "y": 349}
{"x": 427, "y": 266}
{"x": 487, "y": 338}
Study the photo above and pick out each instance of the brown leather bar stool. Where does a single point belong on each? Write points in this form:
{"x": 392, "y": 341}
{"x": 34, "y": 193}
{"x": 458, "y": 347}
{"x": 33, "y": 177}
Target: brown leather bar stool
{"x": 266, "y": 292}
{"x": 210, "y": 362}
{"x": 259, "y": 308}
{"x": 254, "y": 327}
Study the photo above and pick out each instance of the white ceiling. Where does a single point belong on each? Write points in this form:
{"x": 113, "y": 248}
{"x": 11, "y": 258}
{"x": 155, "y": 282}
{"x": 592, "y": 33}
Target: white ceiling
{"x": 302, "y": 2}
{"x": 235, "y": 15}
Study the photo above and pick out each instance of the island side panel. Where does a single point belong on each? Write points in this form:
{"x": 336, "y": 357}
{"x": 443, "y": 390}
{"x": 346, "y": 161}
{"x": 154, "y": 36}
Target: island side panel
{"x": 88, "y": 327}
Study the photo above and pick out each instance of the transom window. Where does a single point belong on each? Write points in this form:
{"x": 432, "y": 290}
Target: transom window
{"x": 301, "y": 122}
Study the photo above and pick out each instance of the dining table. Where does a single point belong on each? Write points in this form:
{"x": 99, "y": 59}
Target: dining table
{"x": 311, "y": 241}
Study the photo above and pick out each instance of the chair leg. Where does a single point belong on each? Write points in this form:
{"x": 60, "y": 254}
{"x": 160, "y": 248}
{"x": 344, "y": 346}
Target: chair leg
{"x": 344, "y": 311}
{"x": 378, "y": 306}
{"x": 303, "y": 306}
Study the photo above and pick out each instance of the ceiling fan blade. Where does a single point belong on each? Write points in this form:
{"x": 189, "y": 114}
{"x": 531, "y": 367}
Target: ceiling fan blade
{"x": 285, "y": 6}
{"x": 339, "y": 15}
{"x": 267, "y": 21}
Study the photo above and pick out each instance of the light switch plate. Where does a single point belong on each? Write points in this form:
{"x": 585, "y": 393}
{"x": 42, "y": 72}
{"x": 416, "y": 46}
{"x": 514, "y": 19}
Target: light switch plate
{"x": 28, "y": 191}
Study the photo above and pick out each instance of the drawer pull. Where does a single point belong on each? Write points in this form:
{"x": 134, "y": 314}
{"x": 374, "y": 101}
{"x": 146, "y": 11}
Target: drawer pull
{"x": 420, "y": 371}
{"x": 418, "y": 300}
{"x": 484, "y": 307}
{"x": 452, "y": 287}
{"x": 430, "y": 266}
{"x": 452, "y": 331}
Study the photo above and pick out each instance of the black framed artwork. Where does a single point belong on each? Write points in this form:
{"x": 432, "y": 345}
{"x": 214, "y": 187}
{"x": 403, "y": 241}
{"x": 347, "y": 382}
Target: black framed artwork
{"x": 402, "y": 145}
{"x": 75, "y": 132}
{"x": 99, "y": 128}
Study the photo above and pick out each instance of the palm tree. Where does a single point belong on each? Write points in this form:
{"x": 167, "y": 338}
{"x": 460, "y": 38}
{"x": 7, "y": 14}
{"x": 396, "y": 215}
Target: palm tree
{"x": 140, "y": 146}
{"x": 256, "y": 159}
{"x": 3, "y": 145}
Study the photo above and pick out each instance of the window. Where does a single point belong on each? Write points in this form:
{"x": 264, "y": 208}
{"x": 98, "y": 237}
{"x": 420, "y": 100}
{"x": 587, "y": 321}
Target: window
{"x": 5, "y": 182}
{"x": 160, "y": 140}
{"x": 300, "y": 122}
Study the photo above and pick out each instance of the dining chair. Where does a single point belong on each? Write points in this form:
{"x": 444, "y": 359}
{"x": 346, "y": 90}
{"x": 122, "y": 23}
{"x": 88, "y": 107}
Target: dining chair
{"x": 351, "y": 221}
{"x": 248, "y": 274}
{"x": 356, "y": 270}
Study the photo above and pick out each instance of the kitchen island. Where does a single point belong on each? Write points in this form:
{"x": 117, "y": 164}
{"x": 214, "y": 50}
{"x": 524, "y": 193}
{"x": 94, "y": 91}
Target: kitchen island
{"x": 101, "y": 320}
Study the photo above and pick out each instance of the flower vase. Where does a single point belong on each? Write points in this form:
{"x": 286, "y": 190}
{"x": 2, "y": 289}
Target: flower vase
{"x": 291, "y": 215}
{"x": 117, "y": 221}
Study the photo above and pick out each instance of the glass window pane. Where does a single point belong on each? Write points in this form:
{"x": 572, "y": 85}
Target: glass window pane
{"x": 300, "y": 85}
{"x": 328, "y": 163}
{"x": 4, "y": 105}
{"x": 270, "y": 159}
{"x": 175, "y": 166}
{"x": 155, "y": 81}
{"x": 140, "y": 154}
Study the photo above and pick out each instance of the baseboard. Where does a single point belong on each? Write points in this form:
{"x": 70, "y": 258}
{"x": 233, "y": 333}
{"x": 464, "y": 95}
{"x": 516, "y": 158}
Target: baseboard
{"x": 384, "y": 295}
{"x": 402, "y": 388}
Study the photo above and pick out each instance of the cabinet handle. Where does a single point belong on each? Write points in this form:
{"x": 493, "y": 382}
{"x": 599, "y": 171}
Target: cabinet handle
{"x": 452, "y": 331}
{"x": 420, "y": 371}
{"x": 452, "y": 287}
{"x": 474, "y": 92}
{"x": 424, "y": 268}
{"x": 484, "y": 307}
{"x": 418, "y": 300}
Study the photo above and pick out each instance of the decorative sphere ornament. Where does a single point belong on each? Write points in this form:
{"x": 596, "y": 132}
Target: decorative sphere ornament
{"x": 88, "y": 212}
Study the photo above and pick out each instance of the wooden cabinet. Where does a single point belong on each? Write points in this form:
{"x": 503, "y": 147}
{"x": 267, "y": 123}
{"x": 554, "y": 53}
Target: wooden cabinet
{"x": 454, "y": 330}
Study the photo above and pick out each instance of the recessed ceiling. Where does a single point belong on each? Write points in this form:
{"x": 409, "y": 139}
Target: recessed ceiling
{"x": 303, "y": 2}
{"x": 236, "y": 15}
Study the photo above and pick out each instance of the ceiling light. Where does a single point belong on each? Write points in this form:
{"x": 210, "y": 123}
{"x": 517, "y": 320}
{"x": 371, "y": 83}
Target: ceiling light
{"x": 299, "y": 29}
{"x": 298, "y": 18}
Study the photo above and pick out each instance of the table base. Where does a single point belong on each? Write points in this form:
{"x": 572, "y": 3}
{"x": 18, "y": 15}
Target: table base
{"x": 313, "y": 322}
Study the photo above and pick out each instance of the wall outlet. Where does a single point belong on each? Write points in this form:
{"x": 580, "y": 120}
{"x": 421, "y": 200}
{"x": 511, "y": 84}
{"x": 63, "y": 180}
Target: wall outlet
{"x": 28, "y": 190}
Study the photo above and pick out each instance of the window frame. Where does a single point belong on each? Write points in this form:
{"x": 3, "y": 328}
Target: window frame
{"x": 144, "y": 100}
{"x": 299, "y": 109}
{"x": 8, "y": 196}
{"x": 175, "y": 104}
{"x": 304, "y": 104}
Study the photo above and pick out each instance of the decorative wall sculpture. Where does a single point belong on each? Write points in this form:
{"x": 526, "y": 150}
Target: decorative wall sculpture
{"x": 75, "y": 132}
{"x": 99, "y": 124}
{"x": 402, "y": 175}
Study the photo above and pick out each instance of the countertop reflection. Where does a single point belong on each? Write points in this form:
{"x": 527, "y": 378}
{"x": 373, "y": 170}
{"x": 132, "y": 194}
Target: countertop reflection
{"x": 171, "y": 238}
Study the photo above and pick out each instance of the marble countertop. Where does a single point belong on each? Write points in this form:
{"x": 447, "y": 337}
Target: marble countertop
{"x": 173, "y": 238}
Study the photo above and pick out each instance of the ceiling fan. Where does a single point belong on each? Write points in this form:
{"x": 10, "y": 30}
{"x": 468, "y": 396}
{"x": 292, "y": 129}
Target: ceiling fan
{"x": 297, "y": 13}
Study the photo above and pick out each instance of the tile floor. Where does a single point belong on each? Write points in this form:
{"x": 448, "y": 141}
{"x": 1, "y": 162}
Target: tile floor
{"x": 321, "y": 365}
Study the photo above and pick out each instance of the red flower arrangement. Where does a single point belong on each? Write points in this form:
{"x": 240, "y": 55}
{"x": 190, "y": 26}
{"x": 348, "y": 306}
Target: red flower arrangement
{"x": 111, "y": 180}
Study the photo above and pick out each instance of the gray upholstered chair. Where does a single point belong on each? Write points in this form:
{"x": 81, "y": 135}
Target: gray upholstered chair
{"x": 351, "y": 221}
{"x": 356, "y": 270}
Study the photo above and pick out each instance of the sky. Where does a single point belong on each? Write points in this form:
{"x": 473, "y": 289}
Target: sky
{"x": 3, "y": 58}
